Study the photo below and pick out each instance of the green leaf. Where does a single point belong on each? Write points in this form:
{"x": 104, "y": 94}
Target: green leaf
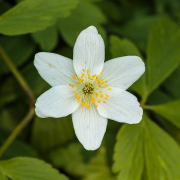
{"x": 18, "y": 48}
{"x": 163, "y": 53}
{"x": 34, "y": 15}
{"x": 162, "y": 153}
{"x": 146, "y": 143}
{"x": 2, "y": 177}
{"x": 29, "y": 169}
{"x": 47, "y": 39}
{"x": 128, "y": 158}
{"x": 169, "y": 111}
{"x": 124, "y": 47}
{"x": 50, "y": 132}
{"x": 86, "y": 14}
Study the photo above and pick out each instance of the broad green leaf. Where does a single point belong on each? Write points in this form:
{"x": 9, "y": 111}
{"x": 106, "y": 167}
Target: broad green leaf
{"x": 29, "y": 169}
{"x": 50, "y": 132}
{"x": 172, "y": 83}
{"x": 18, "y": 48}
{"x": 146, "y": 143}
{"x": 162, "y": 153}
{"x": 90, "y": 165}
{"x": 34, "y": 15}
{"x": 47, "y": 39}
{"x": 170, "y": 111}
{"x": 124, "y": 47}
{"x": 163, "y": 52}
{"x": 86, "y": 14}
{"x": 128, "y": 155}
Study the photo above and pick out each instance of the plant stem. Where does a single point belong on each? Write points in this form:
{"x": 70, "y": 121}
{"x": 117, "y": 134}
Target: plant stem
{"x": 29, "y": 93}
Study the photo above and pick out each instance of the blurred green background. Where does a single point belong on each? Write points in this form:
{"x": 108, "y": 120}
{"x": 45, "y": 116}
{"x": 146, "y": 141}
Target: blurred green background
{"x": 146, "y": 151}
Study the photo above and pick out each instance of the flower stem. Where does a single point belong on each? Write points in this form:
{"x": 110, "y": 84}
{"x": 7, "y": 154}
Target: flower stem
{"x": 29, "y": 93}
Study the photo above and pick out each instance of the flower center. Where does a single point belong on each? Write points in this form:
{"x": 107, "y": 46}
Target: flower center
{"x": 90, "y": 89}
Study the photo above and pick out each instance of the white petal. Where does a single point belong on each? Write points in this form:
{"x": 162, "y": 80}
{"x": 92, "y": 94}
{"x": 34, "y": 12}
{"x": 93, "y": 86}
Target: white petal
{"x": 54, "y": 68}
{"x": 121, "y": 106}
{"x": 89, "y": 52}
{"x": 89, "y": 127}
{"x": 59, "y": 101}
{"x": 123, "y": 72}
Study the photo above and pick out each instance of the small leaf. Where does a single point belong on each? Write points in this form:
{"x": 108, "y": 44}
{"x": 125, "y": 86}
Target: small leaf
{"x": 51, "y": 132}
{"x": 86, "y": 14}
{"x": 128, "y": 156}
{"x": 29, "y": 169}
{"x": 124, "y": 47}
{"x": 47, "y": 39}
{"x": 163, "y": 52}
{"x": 34, "y": 15}
{"x": 170, "y": 111}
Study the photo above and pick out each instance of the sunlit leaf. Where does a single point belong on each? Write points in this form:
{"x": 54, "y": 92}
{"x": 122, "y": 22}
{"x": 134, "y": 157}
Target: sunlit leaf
{"x": 162, "y": 153}
{"x": 34, "y": 15}
{"x": 128, "y": 156}
{"x": 47, "y": 39}
{"x": 86, "y": 14}
{"x": 163, "y": 52}
{"x": 29, "y": 169}
{"x": 2, "y": 177}
{"x": 170, "y": 111}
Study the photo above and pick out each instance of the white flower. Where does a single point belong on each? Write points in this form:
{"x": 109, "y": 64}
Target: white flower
{"x": 90, "y": 89}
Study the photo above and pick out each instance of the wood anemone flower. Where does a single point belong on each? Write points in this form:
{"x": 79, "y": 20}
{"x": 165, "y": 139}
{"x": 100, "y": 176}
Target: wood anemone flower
{"x": 90, "y": 89}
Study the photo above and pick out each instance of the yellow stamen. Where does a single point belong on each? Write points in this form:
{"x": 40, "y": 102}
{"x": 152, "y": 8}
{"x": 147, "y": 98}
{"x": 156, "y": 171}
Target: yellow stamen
{"x": 96, "y": 105}
{"x": 109, "y": 88}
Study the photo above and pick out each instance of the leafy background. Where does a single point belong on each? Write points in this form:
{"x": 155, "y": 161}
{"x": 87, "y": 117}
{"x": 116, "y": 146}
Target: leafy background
{"x": 48, "y": 149}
